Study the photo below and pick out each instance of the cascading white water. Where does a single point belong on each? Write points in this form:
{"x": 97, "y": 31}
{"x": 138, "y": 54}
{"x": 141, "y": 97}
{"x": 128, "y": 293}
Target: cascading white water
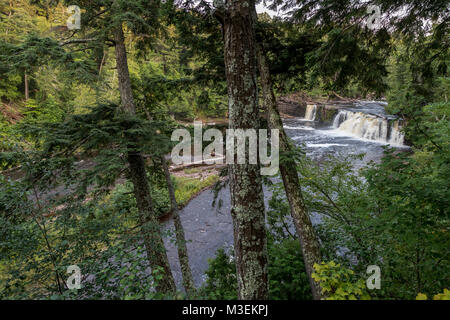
{"x": 396, "y": 137}
{"x": 311, "y": 110}
{"x": 369, "y": 127}
{"x": 339, "y": 118}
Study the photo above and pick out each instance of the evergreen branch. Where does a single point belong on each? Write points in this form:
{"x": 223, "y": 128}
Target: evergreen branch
{"x": 73, "y": 41}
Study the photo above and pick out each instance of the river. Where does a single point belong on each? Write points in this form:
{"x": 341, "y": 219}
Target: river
{"x": 360, "y": 127}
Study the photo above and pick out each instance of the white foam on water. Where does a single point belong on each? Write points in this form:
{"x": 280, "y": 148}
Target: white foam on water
{"x": 325, "y": 145}
{"x": 384, "y": 103}
{"x": 298, "y": 128}
{"x": 343, "y": 134}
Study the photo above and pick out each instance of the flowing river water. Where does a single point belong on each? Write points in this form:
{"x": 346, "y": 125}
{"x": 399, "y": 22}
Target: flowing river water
{"x": 360, "y": 127}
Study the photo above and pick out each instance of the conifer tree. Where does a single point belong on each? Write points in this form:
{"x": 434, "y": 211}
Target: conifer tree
{"x": 103, "y": 22}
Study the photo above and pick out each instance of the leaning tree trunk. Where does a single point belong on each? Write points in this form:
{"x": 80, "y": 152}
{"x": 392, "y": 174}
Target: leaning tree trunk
{"x": 308, "y": 240}
{"x": 188, "y": 281}
{"x": 27, "y": 91}
{"x": 247, "y": 200}
{"x": 156, "y": 252}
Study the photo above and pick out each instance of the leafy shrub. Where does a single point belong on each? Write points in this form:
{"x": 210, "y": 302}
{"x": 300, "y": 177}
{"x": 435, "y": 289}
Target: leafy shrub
{"x": 221, "y": 280}
{"x": 287, "y": 275}
{"x": 339, "y": 283}
{"x": 445, "y": 295}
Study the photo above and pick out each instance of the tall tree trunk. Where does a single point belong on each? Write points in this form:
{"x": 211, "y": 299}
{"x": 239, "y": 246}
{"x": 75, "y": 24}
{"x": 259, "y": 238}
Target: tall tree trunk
{"x": 151, "y": 232}
{"x": 308, "y": 240}
{"x": 27, "y": 91}
{"x": 247, "y": 199}
{"x": 188, "y": 281}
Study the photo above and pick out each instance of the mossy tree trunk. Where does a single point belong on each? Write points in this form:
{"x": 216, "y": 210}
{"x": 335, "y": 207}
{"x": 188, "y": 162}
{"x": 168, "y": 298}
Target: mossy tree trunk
{"x": 156, "y": 252}
{"x": 288, "y": 170}
{"x": 247, "y": 199}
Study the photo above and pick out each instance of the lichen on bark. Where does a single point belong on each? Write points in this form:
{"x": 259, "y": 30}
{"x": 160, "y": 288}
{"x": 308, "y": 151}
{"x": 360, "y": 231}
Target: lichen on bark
{"x": 247, "y": 198}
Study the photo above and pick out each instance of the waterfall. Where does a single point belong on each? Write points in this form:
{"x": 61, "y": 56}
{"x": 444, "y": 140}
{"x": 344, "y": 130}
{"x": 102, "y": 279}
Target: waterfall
{"x": 339, "y": 118}
{"x": 369, "y": 127}
{"x": 311, "y": 110}
{"x": 396, "y": 137}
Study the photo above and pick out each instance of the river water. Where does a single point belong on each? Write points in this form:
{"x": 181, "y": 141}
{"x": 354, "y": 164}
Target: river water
{"x": 361, "y": 127}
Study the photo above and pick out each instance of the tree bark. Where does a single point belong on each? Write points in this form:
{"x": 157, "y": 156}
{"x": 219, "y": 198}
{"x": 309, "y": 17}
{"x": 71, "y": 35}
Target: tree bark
{"x": 288, "y": 169}
{"x": 156, "y": 252}
{"x": 247, "y": 200}
{"x": 188, "y": 282}
{"x": 27, "y": 91}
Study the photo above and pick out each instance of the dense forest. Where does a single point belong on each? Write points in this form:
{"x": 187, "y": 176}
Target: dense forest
{"x": 95, "y": 97}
